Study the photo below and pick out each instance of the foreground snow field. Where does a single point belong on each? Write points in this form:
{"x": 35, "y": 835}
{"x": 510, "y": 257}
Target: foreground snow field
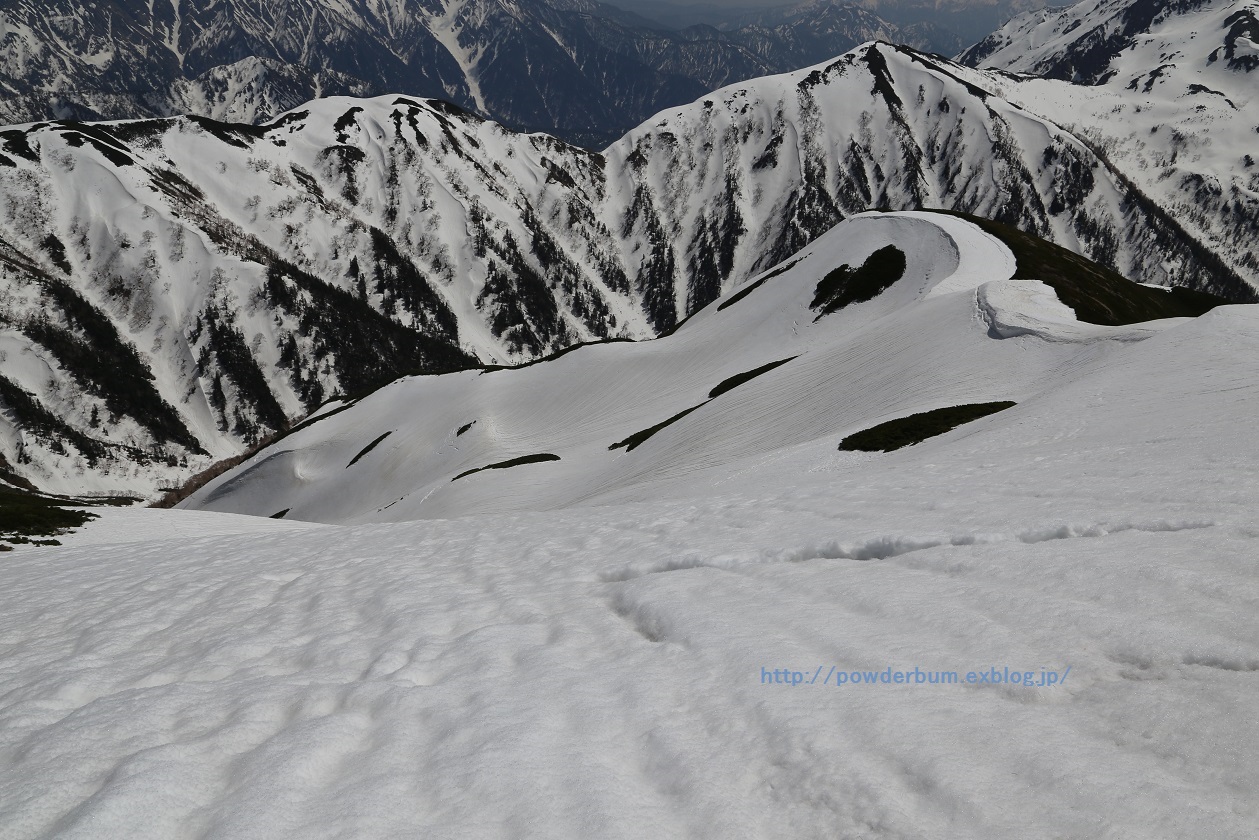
{"x": 597, "y": 670}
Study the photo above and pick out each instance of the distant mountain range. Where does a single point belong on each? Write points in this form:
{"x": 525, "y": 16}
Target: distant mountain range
{"x": 577, "y": 69}
{"x": 970, "y": 19}
{"x": 965, "y": 20}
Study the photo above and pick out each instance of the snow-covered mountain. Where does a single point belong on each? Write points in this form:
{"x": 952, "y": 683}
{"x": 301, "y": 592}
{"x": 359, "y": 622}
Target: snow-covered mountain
{"x": 806, "y": 352}
{"x": 174, "y": 290}
{"x": 127, "y": 58}
{"x": 762, "y": 169}
{"x": 642, "y": 589}
{"x": 182, "y": 286}
{"x": 573, "y": 68}
{"x": 1095, "y": 41}
{"x": 1166, "y": 91}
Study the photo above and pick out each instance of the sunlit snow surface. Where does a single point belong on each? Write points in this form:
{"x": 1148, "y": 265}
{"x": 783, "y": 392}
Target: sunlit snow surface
{"x": 595, "y": 670}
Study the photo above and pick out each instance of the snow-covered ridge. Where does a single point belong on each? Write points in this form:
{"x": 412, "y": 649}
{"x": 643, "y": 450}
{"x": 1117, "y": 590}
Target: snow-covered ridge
{"x": 254, "y": 271}
{"x": 758, "y": 373}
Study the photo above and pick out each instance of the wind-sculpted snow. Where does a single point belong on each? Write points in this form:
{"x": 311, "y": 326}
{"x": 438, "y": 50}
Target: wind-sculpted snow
{"x": 608, "y": 670}
{"x": 1029, "y": 307}
{"x": 238, "y": 275}
{"x": 734, "y": 383}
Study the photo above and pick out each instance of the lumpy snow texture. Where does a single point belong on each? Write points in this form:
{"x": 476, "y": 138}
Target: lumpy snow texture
{"x": 596, "y": 670}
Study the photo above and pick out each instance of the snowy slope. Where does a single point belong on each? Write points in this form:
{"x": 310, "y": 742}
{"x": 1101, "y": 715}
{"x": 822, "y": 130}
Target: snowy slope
{"x": 597, "y": 670}
{"x": 1170, "y": 101}
{"x": 406, "y": 451}
{"x": 254, "y": 271}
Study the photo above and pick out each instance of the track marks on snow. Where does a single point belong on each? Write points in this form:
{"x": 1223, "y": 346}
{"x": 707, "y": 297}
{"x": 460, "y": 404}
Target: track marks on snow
{"x": 886, "y": 546}
{"x": 638, "y": 614}
{"x": 1137, "y": 666}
